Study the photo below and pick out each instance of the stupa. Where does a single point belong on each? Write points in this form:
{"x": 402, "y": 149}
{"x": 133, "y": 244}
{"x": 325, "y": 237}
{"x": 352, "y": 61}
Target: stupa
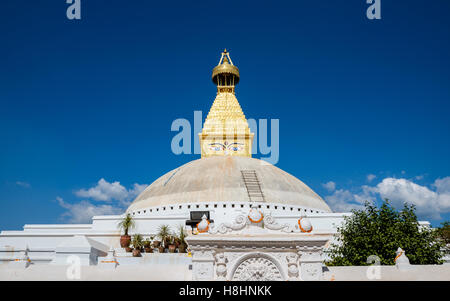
{"x": 247, "y": 219}
{"x": 227, "y": 177}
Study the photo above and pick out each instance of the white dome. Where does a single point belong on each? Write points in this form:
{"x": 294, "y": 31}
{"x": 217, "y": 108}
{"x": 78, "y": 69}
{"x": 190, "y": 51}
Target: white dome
{"x": 219, "y": 179}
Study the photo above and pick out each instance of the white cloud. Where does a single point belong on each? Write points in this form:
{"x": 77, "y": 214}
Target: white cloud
{"x": 106, "y": 191}
{"x": 23, "y": 184}
{"x": 133, "y": 193}
{"x": 442, "y": 185}
{"x": 429, "y": 202}
{"x": 366, "y": 194}
{"x": 83, "y": 211}
{"x": 330, "y": 186}
{"x": 371, "y": 177}
{"x": 137, "y": 189}
{"x": 114, "y": 193}
{"x": 344, "y": 201}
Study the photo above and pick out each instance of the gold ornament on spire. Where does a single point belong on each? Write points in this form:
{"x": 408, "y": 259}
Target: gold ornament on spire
{"x": 226, "y": 131}
{"x": 225, "y": 75}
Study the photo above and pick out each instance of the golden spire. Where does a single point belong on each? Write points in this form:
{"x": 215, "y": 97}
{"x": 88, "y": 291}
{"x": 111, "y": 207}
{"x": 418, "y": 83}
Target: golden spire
{"x": 226, "y": 131}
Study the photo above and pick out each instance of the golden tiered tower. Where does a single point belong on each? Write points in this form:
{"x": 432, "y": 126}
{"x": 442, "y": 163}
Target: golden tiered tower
{"x": 226, "y": 131}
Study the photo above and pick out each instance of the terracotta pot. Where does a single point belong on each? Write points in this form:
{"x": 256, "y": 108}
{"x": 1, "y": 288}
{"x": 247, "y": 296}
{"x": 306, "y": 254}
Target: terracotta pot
{"x": 128, "y": 249}
{"x": 161, "y": 249}
{"x": 156, "y": 243}
{"x": 136, "y": 253}
{"x": 167, "y": 241}
{"x": 125, "y": 241}
{"x": 182, "y": 248}
{"x": 148, "y": 250}
{"x": 172, "y": 248}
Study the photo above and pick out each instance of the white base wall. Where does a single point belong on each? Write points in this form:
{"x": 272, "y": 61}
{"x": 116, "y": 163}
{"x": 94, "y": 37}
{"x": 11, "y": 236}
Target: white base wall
{"x": 170, "y": 269}
{"x": 42, "y": 241}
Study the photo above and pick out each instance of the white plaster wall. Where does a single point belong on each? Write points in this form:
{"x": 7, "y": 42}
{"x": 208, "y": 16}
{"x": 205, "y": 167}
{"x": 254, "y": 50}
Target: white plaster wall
{"x": 42, "y": 240}
{"x": 181, "y": 272}
{"x": 389, "y": 273}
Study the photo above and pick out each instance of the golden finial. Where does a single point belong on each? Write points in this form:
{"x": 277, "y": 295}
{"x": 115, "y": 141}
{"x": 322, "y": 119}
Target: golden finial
{"x": 225, "y": 73}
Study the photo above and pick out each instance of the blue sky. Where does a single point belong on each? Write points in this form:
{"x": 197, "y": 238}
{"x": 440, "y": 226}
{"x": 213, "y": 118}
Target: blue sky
{"x": 86, "y": 106}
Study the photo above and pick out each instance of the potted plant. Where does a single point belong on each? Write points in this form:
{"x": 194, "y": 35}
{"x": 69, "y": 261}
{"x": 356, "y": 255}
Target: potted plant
{"x": 182, "y": 234}
{"x": 171, "y": 244}
{"x": 126, "y": 224}
{"x": 163, "y": 233}
{"x": 156, "y": 243}
{"x": 147, "y": 246}
{"x": 137, "y": 244}
{"x": 152, "y": 241}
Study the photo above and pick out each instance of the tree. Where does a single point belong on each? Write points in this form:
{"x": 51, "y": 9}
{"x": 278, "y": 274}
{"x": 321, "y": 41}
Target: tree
{"x": 443, "y": 234}
{"x": 380, "y": 231}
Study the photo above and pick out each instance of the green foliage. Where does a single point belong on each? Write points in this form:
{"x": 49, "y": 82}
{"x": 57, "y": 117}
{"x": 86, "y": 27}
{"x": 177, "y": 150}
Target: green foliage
{"x": 380, "y": 231}
{"x": 146, "y": 243}
{"x": 126, "y": 223}
{"x": 444, "y": 232}
{"x": 137, "y": 241}
{"x": 164, "y": 233}
{"x": 182, "y": 234}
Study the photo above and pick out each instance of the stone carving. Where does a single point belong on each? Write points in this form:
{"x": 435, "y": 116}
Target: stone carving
{"x": 401, "y": 257}
{"x": 203, "y": 271}
{"x": 304, "y": 224}
{"x": 202, "y": 252}
{"x": 310, "y": 262}
{"x": 292, "y": 259}
{"x": 311, "y": 271}
{"x": 257, "y": 253}
{"x": 270, "y": 223}
{"x": 233, "y": 256}
{"x": 203, "y": 261}
{"x": 258, "y": 218}
{"x": 221, "y": 266}
{"x": 257, "y": 269}
{"x": 309, "y": 252}
{"x": 203, "y": 225}
{"x": 110, "y": 261}
{"x": 255, "y": 216}
{"x": 401, "y": 261}
{"x": 239, "y": 223}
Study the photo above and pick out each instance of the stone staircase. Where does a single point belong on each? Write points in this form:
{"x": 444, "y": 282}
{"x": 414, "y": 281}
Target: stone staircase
{"x": 253, "y": 185}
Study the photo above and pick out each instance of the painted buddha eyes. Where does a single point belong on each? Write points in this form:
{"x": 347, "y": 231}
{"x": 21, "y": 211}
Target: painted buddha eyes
{"x": 235, "y": 147}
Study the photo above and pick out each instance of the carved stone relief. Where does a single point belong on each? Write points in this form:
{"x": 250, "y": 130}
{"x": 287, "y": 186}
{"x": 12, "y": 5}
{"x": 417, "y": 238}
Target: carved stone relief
{"x": 257, "y": 269}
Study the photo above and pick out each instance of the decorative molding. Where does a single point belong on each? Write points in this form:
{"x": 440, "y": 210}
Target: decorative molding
{"x": 239, "y": 223}
{"x": 221, "y": 266}
{"x": 270, "y": 223}
{"x": 257, "y": 267}
{"x": 292, "y": 266}
{"x": 311, "y": 271}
